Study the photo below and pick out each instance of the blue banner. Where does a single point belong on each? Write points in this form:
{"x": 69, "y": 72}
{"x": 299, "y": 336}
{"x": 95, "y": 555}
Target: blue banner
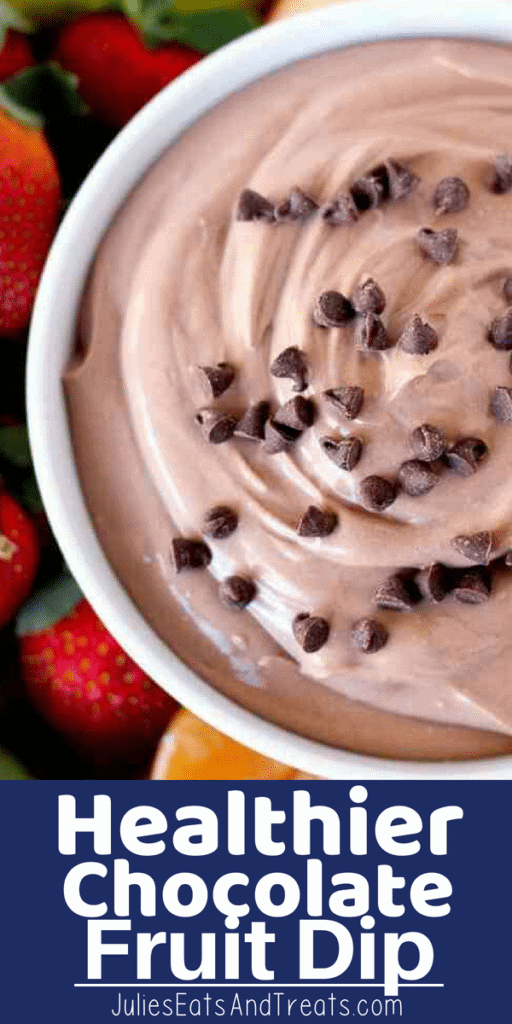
{"x": 255, "y": 901}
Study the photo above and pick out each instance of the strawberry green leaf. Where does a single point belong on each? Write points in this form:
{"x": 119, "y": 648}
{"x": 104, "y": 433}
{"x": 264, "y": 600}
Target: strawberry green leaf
{"x": 11, "y": 768}
{"x": 133, "y": 8}
{"x": 36, "y": 95}
{"x": 30, "y": 496}
{"x": 9, "y": 18}
{"x": 49, "y": 605}
{"x": 30, "y": 15}
{"x": 14, "y": 446}
{"x": 136, "y": 10}
{"x": 204, "y": 31}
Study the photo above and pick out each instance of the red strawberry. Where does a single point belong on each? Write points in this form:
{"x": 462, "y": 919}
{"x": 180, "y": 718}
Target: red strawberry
{"x": 91, "y": 692}
{"x": 117, "y": 73}
{"x": 19, "y": 556}
{"x": 15, "y": 54}
{"x": 29, "y": 209}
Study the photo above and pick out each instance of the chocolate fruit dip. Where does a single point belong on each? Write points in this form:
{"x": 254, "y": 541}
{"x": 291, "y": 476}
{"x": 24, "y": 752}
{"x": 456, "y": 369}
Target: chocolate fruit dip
{"x": 291, "y": 398}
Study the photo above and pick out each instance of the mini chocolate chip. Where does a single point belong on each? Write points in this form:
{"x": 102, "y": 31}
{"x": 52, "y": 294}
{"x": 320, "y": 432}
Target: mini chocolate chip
{"x": 416, "y": 477}
{"x": 252, "y": 424}
{"x": 369, "y": 635}
{"x": 219, "y": 377}
{"x": 428, "y": 443}
{"x": 439, "y": 246}
{"x": 507, "y": 290}
{"x": 279, "y": 437}
{"x": 451, "y": 195}
{"x": 298, "y": 413}
{"x": 396, "y": 594}
{"x": 377, "y": 493}
{"x": 190, "y": 554}
{"x": 371, "y": 189}
{"x": 217, "y": 427}
{"x": 348, "y": 400}
{"x": 502, "y": 181}
{"x": 332, "y": 309}
{"x": 342, "y": 210}
{"x": 310, "y": 631}
{"x": 369, "y": 298}
{"x": 464, "y": 456}
{"x": 418, "y": 337}
{"x": 220, "y": 522}
{"x": 252, "y": 206}
{"x": 401, "y": 180}
{"x": 317, "y": 522}
{"x": 371, "y": 334}
{"x": 500, "y": 331}
{"x": 476, "y": 547}
{"x": 434, "y": 583}
{"x": 291, "y": 363}
{"x": 500, "y": 405}
{"x": 237, "y": 592}
{"x": 298, "y": 206}
{"x": 344, "y": 452}
{"x": 473, "y": 586}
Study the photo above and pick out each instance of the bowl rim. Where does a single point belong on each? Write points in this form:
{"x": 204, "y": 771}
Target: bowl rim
{"x": 52, "y": 333}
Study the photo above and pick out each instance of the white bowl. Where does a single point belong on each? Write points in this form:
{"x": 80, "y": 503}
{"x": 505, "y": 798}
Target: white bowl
{"x": 53, "y": 333}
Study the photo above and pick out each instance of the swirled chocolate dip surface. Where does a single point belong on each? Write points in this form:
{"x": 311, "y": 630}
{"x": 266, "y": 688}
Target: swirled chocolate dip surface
{"x": 182, "y": 282}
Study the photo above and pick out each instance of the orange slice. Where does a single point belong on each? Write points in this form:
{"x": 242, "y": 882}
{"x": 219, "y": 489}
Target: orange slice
{"x": 191, "y": 749}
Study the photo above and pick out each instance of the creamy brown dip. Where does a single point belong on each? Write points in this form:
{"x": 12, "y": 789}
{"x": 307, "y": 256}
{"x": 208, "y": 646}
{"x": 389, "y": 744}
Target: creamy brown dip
{"x": 179, "y": 282}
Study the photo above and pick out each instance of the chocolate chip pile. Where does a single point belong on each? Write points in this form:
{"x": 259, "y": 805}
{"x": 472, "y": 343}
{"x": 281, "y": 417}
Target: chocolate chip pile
{"x": 432, "y": 453}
